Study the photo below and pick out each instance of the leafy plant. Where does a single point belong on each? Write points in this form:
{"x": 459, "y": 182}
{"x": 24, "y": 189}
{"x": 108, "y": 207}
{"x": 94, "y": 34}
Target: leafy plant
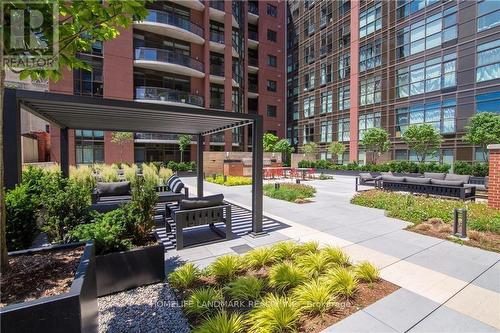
{"x": 164, "y": 174}
{"x": 230, "y": 180}
{"x": 336, "y": 256}
{"x": 289, "y": 192}
{"x": 285, "y": 276}
{"x": 226, "y": 267}
{"x": 184, "y": 142}
{"x": 83, "y": 175}
{"x": 376, "y": 140}
{"x": 342, "y": 281}
{"x": 21, "y": 217}
{"x": 276, "y": 314}
{"x": 310, "y": 148}
{"x": 367, "y": 272}
{"x": 483, "y": 130}
{"x": 121, "y": 138}
{"x": 150, "y": 174}
{"x": 245, "y": 288}
{"x": 141, "y": 209}
{"x": 181, "y": 166}
{"x": 130, "y": 172}
{"x": 315, "y": 297}
{"x": 315, "y": 264}
{"x": 335, "y": 148}
{"x": 269, "y": 141}
{"x": 285, "y": 250}
{"x": 222, "y": 322}
{"x": 284, "y": 147}
{"x": 260, "y": 257}
{"x": 108, "y": 174}
{"x": 309, "y": 247}
{"x": 184, "y": 277}
{"x": 477, "y": 169}
{"x": 423, "y": 139}
{"x": 204, "y": 301}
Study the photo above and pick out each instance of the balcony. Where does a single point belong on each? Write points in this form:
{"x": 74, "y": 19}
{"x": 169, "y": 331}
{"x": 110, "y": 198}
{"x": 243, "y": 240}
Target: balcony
{"x": 217, "y": 41}
{"x": 155, "y": 138}
{"x": 216, "y": 4}
{"x": 217, "y": 103}
{"x": 193, "y": 4}
{"x": 171, "y": 25}
{"x": 216, "y": 10}
{"x": 253, "y": 39}
{"x": 168, "y": 61}
{"x": 253, "y": 90}
{"x": 253, "y": 12}
{"x": 253, "y": 65}
{"x": 217, "y": 73}
{"x": 167, "y": 96}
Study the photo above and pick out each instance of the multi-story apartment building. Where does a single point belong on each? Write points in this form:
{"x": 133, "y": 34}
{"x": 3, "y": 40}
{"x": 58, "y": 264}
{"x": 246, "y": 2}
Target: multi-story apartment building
{"x": 354, "y": 65}
{"x": 227, "y": 55}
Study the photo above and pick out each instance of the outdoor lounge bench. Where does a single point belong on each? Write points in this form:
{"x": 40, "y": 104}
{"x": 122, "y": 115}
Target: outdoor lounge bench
{"x": 201, "y": 211}
{"x": 367, "y": 179}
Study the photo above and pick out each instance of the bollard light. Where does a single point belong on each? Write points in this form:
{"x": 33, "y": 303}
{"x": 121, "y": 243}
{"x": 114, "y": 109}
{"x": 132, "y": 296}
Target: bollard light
{"x": 297, "y": 181}
{"x": 225, "y": 178}
{"x": 460, "y": 213}
{"x": 276, "y": 186}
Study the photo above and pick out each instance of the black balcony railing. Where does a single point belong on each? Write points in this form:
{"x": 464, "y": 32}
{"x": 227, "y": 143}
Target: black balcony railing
{"x": 253, "y": 62}
{"x": 253, "y": 7}
{"x": 171, "y": 57}
{"x": 217, "y": 103}
{"x": 217, "y": 69}
{"x": 253, "y": 35}
{"x": 175, "y": 20}
{"x": 156, "y": 136}
{"x": 253, "y": 87}
{"x": 217, "y": 36}
{"x": 217, "y": 4}
{"x": 167, "y": 95}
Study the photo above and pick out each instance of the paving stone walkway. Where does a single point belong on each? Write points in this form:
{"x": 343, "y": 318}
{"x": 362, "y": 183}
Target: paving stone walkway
{"x": 445, "y": 287}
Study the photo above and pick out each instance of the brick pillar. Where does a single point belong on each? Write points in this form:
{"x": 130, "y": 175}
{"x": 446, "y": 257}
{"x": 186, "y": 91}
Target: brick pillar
{"x": 354, "y": 83}
{"x": 494, "y": 177}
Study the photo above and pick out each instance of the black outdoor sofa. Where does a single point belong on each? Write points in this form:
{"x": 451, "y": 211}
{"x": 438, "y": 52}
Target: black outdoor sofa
{"x": 194, "y": 212}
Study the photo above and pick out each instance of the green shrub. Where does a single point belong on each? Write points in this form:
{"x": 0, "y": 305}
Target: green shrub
{"x": 222, "y": 322}
{"x": 230, "y": 180}
{"x": 277, "y": 314}
{"x": 367, "y": 272}
{"x": 315, "y": 297}
{"x": 284, "y": 276}
{"x": 184, "y": 277}
{"x": 336, "y": 256}
{"x": 245, "y": 288}
{"x": 342, "y": 281}
{"x": 35, "y": 179}
{"x": 142, "y": 209}
{"x": 204, "y": 301}
{"x": 226, "y": 267}
{"x": 477, "y": 169}
{"x": 181, "y": 166}
{"x": 289, "y": 192}
{"x": 83, "y": 175}
{"x": 21, "y": 226}
{"x": 285, "y": 250}
{"x": 260, "y": 257}
{"x": 315, "y": 264}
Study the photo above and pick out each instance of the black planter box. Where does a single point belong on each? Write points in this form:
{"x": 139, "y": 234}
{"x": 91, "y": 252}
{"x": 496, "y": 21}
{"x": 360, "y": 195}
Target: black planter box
{"x": 74, "y": 311}
{"x": 124, "y": 270}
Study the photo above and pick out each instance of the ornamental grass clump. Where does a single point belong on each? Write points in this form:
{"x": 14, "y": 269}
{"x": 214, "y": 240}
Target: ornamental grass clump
{"x": 108, "y": 174}
{"x": 204, "y": 301}
{"x": 260, "y": 257}
{"x": 130, "y": 172}
{"x": 226, "y": 267}
{"x": 276, "y": 314}
{"x": 315, "y": 264}
{"x": 285, "y": 250}
{"x": 222, "y": 322}
{"x": 289, "y": 192}
{"x": 83, "y": 175}
{"x": 309, "y": 247}
{"x": 367, "y": 272}
{"x": 336, "y": 255}
{"x": 245, "y": 288}
{"x": 184, "y": 277}
{"x": 150, "y": 173}
{"x": 342, "y": 281}
{"x": 315, "y": 297}
{"x": 164, "y": 174}
{"x": 285, "y": 276}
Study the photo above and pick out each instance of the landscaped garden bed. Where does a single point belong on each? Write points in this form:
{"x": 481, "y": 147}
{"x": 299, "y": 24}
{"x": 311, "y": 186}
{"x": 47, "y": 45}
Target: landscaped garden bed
{"x": 298, "y": 193}
{"x": 288, "y": 287}
{"x": 230, "y": 180}
{"x": 434, "y": 216}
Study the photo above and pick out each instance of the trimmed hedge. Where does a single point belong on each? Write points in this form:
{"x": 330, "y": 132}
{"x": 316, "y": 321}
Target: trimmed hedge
{"x": 478, "y": 169}
{"x": 394, "y": 166}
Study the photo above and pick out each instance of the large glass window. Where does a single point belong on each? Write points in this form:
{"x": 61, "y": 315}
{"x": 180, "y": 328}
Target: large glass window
{"x": 326, "y": 131}
{"x": 89, "y": 146}
{"x": 326, "y": 102}
{"x": 344, "y": 98}
{"x": 343, "y": 133}
{"x": 367, "y": 121}
{"x": 488, "y": 61}
{"x": 441, "y": 115}
{"x": 489, "y": 102}
{"x": 326, "y": 43}
{"x": 434, "y": 74}
{"x": 308, "y": 133}
{"x": 308, "y": 106}
{"x": 309, "y": 53}
{"x": 326, "y": 73}
{"x": 488, "y": 12}
{"x": 370, "y": 55}
{"x": 272, "y": 10}
{"x": 326, "y": 13}
{"x": 407, "y": 7}
{"x": 344, "y": 66}
{"x": 89, "y": 83}
{"x": 309, "y": 80}
{"x": 370, "y": 91}
{"x": 370, "y": 20}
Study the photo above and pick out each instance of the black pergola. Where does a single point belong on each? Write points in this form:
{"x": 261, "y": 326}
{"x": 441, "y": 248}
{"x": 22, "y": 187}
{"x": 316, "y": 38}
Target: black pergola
{"x": 81, "y": 112}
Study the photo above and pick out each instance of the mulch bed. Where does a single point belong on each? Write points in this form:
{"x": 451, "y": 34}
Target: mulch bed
{"x": 39, "y": 275}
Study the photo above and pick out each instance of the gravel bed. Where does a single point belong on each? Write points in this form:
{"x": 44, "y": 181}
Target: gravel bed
{"x": 151, "y": 308}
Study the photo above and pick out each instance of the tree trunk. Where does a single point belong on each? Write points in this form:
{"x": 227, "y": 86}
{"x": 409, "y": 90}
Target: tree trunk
{"x": 182, "y": 154}
{"x": 4, "y": 262}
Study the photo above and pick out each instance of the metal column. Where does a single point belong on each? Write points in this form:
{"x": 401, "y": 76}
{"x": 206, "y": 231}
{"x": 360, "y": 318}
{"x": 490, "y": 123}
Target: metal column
{"x": 64, "y": 152}
{"x": 12, "y": 155}
{"x": 257, "y": 165}
{"x": 199, "y": 169}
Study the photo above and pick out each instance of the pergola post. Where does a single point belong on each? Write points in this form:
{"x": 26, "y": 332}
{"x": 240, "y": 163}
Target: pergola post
{"x": 199, "y": 163}
{"x": 12, "y": 149}
{"x": 64, "y": 152}
{"x": 257, "y": 165}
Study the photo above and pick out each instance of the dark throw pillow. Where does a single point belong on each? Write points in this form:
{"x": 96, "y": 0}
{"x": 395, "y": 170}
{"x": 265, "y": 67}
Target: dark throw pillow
{"x": 416, "y": 180}
{"x": 113, "y": 189}
{"x": 456, "y": 183}
{"x": 435, "y": 175}
{"x": 203, "y": 202}
{"x": 393, "y": 179}
{"x": 460, "y": 178}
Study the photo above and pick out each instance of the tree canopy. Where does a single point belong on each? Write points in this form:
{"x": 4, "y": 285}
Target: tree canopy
{"x": 336, "y": 148}
{"x": 309, "y": 148}
{"x": 184, "y": 142}
{"x": 269, "y": 141}
{"x": 423, "y": 139}
{"x": 483, "y": 130}
{"x": 376, "y": 140}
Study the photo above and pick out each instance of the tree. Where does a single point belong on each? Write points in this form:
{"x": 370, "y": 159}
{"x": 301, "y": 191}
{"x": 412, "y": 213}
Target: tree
{"x": 336, "y": 148}
{"x": 184, "y": 142}
{"x": 483, "y": 130}
{"x": 423, "y": 139}
{"x": 269, "y": 140}
{"x": 284, "y": 147}
{"x": 81, "y": 25}
{"x": 376, "y": 140}
{"x": 309, "y": 148}
{"x": 121, "y": 138}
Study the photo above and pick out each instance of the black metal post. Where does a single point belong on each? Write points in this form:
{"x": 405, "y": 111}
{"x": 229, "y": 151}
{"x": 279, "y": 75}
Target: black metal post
{"x": 455, "y": 221}
{"x": 64, "y": 143}
{"x": 257, "y": 166}
{"x": 464, "y": 223}
{"x": 199, "y": 181}
{"x": 11, "y": 139}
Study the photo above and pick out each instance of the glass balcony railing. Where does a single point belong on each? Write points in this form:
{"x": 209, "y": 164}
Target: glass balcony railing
{"x": 167, "y": 95}
{"x": 253, "y": 35}
{"x": 155, "y": 136}
{"x": 253, "y": 8}
{"x": 171, "y": 57}
{"x": 217, "y": 4}
{"x": 175, "y": 20}
{"x": 217, "y": 69}
{"x": 217, "y": 36}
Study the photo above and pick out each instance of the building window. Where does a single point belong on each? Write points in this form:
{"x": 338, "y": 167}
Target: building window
{"x": 367, "y": 121}
{"x": 272, "y": 10}
{"x": 344, "y": 36}
{"x": 236, "y": 101}
{"x": 326, "y": 13}
{"x": 343, "y": 133}
{"x": 216, "y": 96}
{"x": 488, "y": 102}
{"x": 89, "y": 147}
{"x": 344, "y": 6}
{"x": 271, "y": 35}
{"x": 488, "y": 61}
{"x": 271, "y": 111}
{"x": 407, "y": 7}
{"x": 309, "y": 53}
{"x": 272, "y": 61}
{"x": 326, "y": 73}
{"x": 434, "y": 74}
{"x": 401, "y": 155}
{"x": 344, "y": 97}
{"x": 309, "y": 80}
{"x": 89, "y": 83}
{"x": 326, "y": 131}
{"x": 271, "y": 85}
{"x": 370, "y": 20}
{"x": 344, "y": 66}
{"x": 308, "y": 133}
{"x": 326, "y": 102}
{"x": 295, "y": 111}
{"x": 428, "y": 33}
{"x": 370, "y": 91}
{"x": 488, "y": 12}
{"x": 326, "y": 43}
{"x": 441, "y": 115}
{"x": 370, "y": 55}
{"x": 308, "y": 106}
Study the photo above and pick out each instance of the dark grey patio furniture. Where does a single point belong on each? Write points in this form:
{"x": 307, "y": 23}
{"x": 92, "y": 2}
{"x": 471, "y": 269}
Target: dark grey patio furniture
{"x": 196, "y": 212}
{"x": 365, "y": 179}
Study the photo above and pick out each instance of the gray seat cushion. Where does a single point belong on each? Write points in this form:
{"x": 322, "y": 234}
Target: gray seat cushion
{"x": 453, "y": 177}
{"x": 203, "y": 202}
{"x": 393, "y": 179}
{"x": 418, "y": 180}
{"x": 435, "y": 175}
{"x": 455, "y": 183}
{"x": 479, "y": 187}
{"x": 382, "y": 174}
{"x": 366, "y": 176}
{"x": 113, "y": 189}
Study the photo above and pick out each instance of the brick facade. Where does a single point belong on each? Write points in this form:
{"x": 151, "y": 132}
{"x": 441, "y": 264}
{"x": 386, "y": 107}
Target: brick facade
{"x": 494, "y": 178}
